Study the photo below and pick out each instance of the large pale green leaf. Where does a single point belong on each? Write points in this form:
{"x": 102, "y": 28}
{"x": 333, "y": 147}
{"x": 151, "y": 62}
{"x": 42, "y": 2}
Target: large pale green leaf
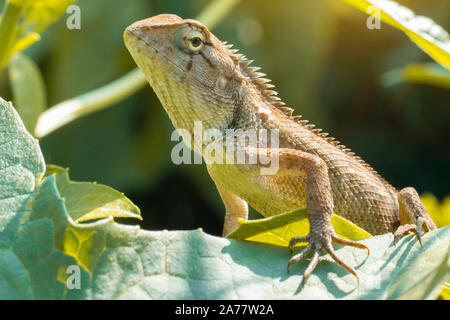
{"x": 278, "y": 230}
{"x": 21, "y": 162}
{"x": 124, "y": 262}
{"x": 429, "y": 36}
{"x": 43, "y": 243}
{"x": 27, "y": 84}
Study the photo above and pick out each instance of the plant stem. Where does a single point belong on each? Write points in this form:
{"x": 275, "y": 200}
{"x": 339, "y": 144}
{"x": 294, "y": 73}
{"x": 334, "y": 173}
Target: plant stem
{"x": 89, "y": 102}
{"x": 8, "y": 31}
{"x": 98, "y": 99}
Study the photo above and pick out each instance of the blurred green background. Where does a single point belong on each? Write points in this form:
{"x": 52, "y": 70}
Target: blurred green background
{"x": 324, "y": 61}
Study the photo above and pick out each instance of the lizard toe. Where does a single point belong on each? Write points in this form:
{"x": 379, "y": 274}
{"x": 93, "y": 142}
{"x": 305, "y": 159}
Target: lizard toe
{"x": 329, "y": 248}
{"x": 318, "y": 243}
{"x": 351, "y": 243}
{"x": 403, "y": 230}
{"x": 296, "y": 240}
{"x": 299, "y": 256}
{"x": 311, "y": 266}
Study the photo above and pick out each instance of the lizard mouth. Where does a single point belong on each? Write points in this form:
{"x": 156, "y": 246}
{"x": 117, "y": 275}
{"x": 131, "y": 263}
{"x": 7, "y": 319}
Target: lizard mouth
{"x": 131, "y": 37}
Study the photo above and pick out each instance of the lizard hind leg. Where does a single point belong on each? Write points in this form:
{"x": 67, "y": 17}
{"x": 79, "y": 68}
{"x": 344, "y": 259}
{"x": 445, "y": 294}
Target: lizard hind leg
{"x": 413, "y": 215}
{"x": 319, "y": 205}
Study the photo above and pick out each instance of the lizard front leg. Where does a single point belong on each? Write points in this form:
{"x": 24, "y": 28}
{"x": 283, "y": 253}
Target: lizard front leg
{"x": 235, "y": 208}
{"x": 319, "y": 203}
{"x": 413, "y": 215}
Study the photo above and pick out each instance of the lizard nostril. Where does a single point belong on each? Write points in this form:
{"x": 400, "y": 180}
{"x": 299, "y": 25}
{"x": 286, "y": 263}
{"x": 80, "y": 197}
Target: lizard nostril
{"x": 130, "y": 30}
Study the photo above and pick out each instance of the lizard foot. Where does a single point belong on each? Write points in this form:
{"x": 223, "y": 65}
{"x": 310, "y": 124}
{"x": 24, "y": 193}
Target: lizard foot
{"x": 318, "y": 243}
{"x": 405, "y": 229}
{"x": 414, "y": 218}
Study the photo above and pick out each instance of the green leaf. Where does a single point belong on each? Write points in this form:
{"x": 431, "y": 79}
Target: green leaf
{"x": 416, "y": 280}
{"x": 124, "y": 262}
{"x": 14, "y": 277}
{"x": 41, "y": 243}
{"x": 28, "y": 89}
{"x": 21, "y": 164}
{"x": 424, "y": 32}
{"x": 280, "y": 229}
{"x": 88, "y": 201}
{"x": 425, "y": 73}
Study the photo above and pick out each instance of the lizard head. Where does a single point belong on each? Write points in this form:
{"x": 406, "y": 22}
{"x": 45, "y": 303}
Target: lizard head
{"x": 195, "y": 75}
{"x": 190, "y": 70}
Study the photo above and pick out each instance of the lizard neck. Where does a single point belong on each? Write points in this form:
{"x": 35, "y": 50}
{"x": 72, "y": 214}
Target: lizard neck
{"x": 192, "y": 111}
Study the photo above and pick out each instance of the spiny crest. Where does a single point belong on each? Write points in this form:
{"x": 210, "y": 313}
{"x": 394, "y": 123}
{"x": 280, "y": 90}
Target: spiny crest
{"x": 258, "y": 78}
{"x": 264, "y": 85}
{"x": 287, "y": 111}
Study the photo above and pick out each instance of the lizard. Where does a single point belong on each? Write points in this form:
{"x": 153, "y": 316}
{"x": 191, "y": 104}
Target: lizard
{"x": 197, "y": 77}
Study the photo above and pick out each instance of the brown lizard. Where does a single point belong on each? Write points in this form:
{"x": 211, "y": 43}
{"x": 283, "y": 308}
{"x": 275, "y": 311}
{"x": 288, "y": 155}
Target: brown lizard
{"x": 199, "y": 78}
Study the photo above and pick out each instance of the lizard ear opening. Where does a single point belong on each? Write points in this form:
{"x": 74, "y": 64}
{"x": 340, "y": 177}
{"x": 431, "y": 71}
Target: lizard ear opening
{"x": 190, "y": 39}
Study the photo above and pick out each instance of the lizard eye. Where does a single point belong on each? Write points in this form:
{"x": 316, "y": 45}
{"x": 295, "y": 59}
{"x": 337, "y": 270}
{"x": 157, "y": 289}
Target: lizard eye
{"x": 190, "y": 40}
{"x": 196, "y": 41}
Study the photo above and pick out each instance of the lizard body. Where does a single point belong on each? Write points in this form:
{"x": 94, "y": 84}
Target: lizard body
{"x": 199, "y": 78}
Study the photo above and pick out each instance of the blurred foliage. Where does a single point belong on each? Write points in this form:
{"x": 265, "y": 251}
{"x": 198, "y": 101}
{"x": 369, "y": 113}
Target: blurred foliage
{"x": 320, "y": 55}
{"x": 439, "y": 212}
{"x": 23, "y": 21}
{"x": 28, "y": 89}
{"x": 426, "y": 73}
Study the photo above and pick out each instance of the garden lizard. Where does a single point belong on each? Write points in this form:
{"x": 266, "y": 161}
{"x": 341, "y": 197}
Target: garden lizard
{"x": 199, "y": 78}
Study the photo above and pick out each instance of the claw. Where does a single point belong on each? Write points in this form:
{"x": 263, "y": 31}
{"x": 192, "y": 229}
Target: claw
{"x": 396, "y": 237}
{"x": 298, "y": 256}
{"x": 419, "y": 224}
{"x": 311, "y": 266}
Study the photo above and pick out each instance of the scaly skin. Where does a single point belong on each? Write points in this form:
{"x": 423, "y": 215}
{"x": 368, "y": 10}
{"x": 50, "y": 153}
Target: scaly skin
{"x": 199, "y": 78}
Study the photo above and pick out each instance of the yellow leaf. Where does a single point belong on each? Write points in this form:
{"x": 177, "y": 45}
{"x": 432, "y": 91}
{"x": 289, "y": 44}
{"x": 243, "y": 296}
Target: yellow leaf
{"x": 440, "y": 213}
{"x": 429, "y": 36}
{"x": 280, "y": 229}
{"x": 425, "y": 73}
{"x": 445, "y": 293}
